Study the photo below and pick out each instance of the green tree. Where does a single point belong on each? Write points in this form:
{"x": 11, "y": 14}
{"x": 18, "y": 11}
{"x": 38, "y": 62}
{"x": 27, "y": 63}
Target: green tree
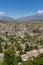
{"x": 6, "y": 33}
{"x": 9, "y": 57}
{"x": 28, "y": 48}
{"x": 1, "y": 40}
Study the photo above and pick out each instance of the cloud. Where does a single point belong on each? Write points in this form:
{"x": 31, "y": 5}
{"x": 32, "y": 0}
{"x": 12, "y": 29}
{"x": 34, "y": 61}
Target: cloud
{"x": 40, "y": 11}
{"x": 2, "y": 13}
{"x": 29, "y": 14}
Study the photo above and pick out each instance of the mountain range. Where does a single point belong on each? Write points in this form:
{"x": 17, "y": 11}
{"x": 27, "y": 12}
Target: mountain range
{"x": 5, "y": 18}
{"x": 31, "y": 17}
{"x": 35, "y": 17}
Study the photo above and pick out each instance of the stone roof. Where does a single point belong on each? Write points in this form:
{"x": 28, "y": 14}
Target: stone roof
{"x": 31, "y": 54}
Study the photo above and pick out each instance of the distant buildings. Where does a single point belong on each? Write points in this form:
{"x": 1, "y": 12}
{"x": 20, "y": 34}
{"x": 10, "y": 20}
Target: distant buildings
{"x": 23, "y": 34}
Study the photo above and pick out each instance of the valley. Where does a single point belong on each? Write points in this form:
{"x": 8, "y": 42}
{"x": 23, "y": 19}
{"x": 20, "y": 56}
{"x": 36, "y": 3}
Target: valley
{"x": 21, "y": 37}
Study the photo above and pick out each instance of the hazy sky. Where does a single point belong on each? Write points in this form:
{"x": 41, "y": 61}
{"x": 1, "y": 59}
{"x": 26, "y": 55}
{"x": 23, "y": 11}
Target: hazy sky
{"x": 17, "y": 8}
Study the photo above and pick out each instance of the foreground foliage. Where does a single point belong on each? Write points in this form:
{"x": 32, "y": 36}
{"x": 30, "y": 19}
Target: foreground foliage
{"x": 9, "y": 57}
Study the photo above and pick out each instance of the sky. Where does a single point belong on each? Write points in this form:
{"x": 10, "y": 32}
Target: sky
{"x": 18, "y": 8}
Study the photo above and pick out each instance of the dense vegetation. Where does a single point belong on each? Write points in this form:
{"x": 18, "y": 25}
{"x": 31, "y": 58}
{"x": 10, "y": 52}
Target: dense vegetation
{"x": 9, "y": 57}
{"x": 1, "y": 40}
